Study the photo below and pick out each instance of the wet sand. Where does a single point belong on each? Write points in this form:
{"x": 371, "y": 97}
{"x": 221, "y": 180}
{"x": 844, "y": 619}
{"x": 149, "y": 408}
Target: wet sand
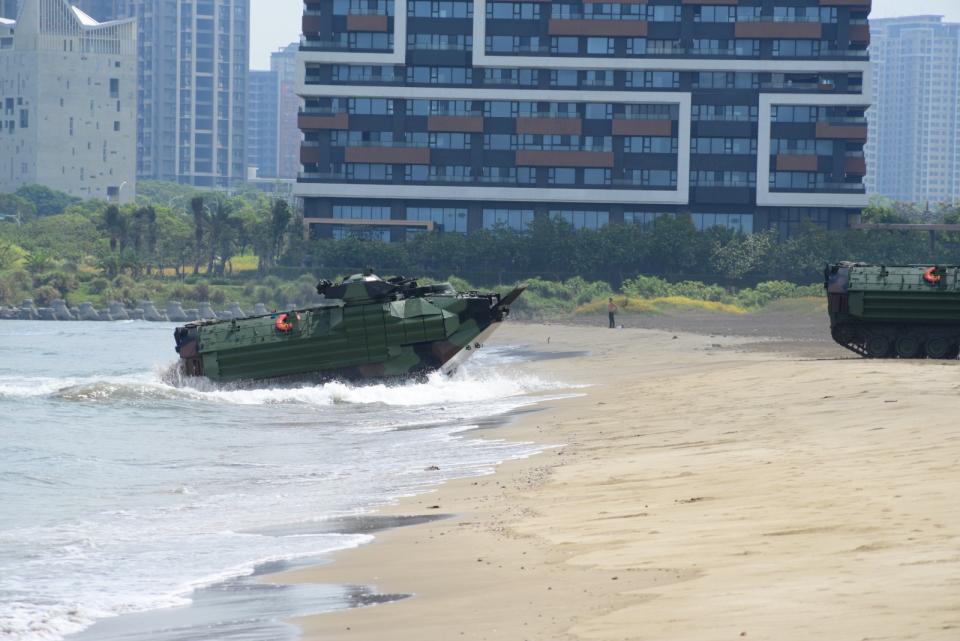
{"x": 726, "y": 484}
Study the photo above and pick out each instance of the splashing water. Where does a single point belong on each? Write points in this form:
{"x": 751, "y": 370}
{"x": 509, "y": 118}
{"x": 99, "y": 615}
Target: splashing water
{"x": 121, "y": 491}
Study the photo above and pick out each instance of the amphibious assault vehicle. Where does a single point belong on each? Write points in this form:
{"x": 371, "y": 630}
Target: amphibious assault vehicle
{"x": 885, "y": 311}
{"x": 365, "y": 327}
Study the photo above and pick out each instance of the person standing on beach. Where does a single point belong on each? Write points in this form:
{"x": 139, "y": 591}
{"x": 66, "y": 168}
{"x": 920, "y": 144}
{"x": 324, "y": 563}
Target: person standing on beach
{"x": 612, "y": 313}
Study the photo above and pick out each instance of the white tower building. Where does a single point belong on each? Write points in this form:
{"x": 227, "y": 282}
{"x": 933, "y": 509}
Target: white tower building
{"x": 68, "y": 95}
{"x": 913, "y": 151}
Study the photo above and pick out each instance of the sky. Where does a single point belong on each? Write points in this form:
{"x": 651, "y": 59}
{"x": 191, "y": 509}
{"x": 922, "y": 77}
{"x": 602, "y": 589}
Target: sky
{"x": 276, "y": 23}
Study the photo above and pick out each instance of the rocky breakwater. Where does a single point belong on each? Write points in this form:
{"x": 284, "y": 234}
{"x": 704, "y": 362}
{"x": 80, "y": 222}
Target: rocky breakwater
{"x": 145, "y": 310}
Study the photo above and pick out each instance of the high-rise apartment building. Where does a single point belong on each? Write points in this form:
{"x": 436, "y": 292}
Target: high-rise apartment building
{"x": 913, "y": 150}
{"x": 284, "y": 62}
{"x": 193, "y": 62}
{"x": 263, "y": 124}
{"x": 68, "y": 102}
{"x": 476, "y": 113}
{"x": 9, "y": 9}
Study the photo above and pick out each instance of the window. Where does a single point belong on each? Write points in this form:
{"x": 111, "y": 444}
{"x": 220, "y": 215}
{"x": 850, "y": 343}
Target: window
{"x": 583, "y": 219}
{"x": 655, "y": 178}
{"x": 114, "y": 87}
{"x": 361, "y": 212}
{"x": 600, "y": 46}
{"x": 649, "y": 145}
{"x": 737, "y": 222}
{"x": 724, "y": 146}
{"x": 513, "y": 10}
{"x": 562, "y": 176}
{"x": 663, "y": 13}
{"x": 516, "y": 219}
{"x": 595, "y": 111}
{"x": 796, "y": 48}
{"x": 644, "y": 218}
{"x": 370, "y": 106}
{"x": 653, "y": 79}
{"x": 449, "y": 219}
{"x": 731, "y": 113}
{"x": 723, "y": 179}
{"x": 594, "y": 176}
{"x": 500, "y": 109}
{"x": 565, "y": 45}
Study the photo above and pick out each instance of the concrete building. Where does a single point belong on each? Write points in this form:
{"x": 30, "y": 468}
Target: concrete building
{"x": 913, "y": 150}
{"x": 192, "y": 77}
{"x": 68, "y": 100}
{"x": 284, "y": 62}
{"x": 263, "y": 124}
{"x": 470, "y": 114}
{"x": 9, "y": 9}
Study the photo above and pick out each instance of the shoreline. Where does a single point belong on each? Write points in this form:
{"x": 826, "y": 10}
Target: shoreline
{"x": 700, "y": 493}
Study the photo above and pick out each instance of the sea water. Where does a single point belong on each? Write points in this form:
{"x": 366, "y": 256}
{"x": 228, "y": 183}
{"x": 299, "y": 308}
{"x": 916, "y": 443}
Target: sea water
{"x": 122, "y": 492}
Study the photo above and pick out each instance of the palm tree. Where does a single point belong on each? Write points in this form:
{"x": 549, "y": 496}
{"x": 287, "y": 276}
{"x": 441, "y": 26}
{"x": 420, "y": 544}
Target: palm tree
{"x": 199, "y": 211}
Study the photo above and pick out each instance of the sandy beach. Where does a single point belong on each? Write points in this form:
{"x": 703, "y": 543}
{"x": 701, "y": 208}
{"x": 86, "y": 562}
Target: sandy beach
{"x": 702, "y": 487}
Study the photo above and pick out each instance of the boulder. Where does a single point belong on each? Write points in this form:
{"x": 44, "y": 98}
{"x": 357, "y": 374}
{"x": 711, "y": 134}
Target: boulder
{"x": 260, "y": 310}
{"x": 235, "y": 310}
{"x": 87, "y": 312}
{"x": 27, "y": 311}
{"x": 61, "y": 311}
{"x": 175, "y": 313}
{"x": 46, "y": 313}
{"x": 118, "y": 311}
{"x": 206, "y": 312}
{"x": 136, "y": 314}
{"x": 105, "y": 315}
{"x": 150, "y": 312}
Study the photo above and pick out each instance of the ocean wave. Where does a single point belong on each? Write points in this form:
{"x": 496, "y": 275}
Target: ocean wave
{"x": 468, "y": 385}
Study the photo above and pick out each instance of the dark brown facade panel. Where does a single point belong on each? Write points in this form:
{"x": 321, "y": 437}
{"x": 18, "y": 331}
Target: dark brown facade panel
{"x": 779, "y": 30}
{"x": 312, "y": 24}
{"x": 642, "y": 127}
{"x": 334, "y": 121}
{"x": 860, "y": 33}
{"x": 470, "y": 124}
{"x": 310, "y": 154}
{"x": 598, "y": 27}
{"x": 367, "y": 23}
{"x": 388, "y": 155}
{"x": 565, "y": 158}
{"x": 841, "y": 132}
{"x": 857, "y": 166}
{"x": 560, "y": 126}
{"x": 797, "y": 163}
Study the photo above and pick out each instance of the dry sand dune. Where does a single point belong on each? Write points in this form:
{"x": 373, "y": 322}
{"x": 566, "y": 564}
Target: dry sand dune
{"x": 701, "y": 490}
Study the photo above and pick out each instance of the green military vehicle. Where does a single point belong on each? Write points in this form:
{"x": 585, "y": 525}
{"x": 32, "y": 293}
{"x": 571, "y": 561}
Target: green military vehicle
{"x": 365, "y": 327}
{"x": 884, "y": 311}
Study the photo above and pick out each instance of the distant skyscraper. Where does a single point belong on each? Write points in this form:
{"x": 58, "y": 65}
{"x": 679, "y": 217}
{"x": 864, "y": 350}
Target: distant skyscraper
{"x": 68, "y": 98}
{"x": 193, "y": 62}
{"x": 263, "y": 102}
{"x": 284, "y": 62}
{"x": 9, "y": 8}
{"x": 913, "y": 151}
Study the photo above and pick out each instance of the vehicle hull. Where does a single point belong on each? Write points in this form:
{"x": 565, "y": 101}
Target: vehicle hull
{"x": 371, "y": 340}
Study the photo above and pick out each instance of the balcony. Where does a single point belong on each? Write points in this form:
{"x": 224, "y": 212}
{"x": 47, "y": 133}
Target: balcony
{"x": 628, "y": 28}
{"x": 642, "y": 127}
{"x": 768, "y": 28}
{"x": 564, "y": 158}
{"x": 560, "y": 126}
{"x": 832, "y": 131}
{"x": 338, "y": 120}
